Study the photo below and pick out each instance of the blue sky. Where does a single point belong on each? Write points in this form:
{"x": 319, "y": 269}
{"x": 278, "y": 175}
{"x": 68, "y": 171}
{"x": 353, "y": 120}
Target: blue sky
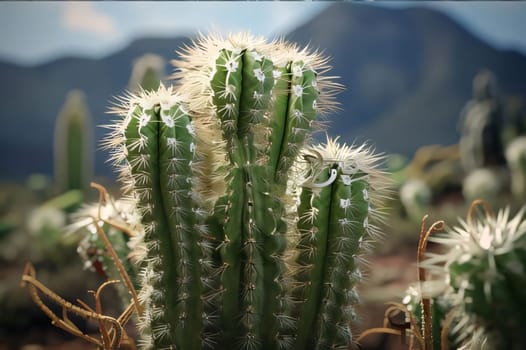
{"x": 35, "y": 32}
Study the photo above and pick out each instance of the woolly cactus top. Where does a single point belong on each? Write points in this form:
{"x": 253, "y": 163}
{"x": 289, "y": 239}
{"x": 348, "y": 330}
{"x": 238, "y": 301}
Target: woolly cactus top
{"x": 483, "y": 271}
{"x": 485, "y": 238}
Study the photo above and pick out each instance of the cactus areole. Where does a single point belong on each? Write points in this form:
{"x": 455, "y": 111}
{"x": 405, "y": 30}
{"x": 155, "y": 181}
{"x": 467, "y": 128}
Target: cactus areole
{"x": 253, "y": 235}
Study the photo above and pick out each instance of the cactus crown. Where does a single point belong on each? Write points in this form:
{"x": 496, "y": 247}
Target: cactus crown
{"x": 483, "y": 271}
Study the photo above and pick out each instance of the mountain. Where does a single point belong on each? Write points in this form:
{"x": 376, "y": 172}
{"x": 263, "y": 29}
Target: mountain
{"x": 407, "y": 74}
{"x": 31, "y": 98}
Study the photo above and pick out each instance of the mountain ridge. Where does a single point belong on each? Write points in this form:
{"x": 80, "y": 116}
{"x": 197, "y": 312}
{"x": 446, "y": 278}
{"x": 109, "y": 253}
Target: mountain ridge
{"x": 407, "y": 74}
{"x": 440, "y": 59}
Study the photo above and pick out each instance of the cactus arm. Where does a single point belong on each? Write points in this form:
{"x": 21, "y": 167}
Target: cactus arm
{"x": 75, "y": 155}
{"x": 73, "y": 142}
{"x": 278, "y": 123}
{"x": 249, "y": 278}
{"x": 313, "y": 214}
{"x": 301, "y": 112}
{"x": 160, "y": 148}
{"x": 241, "y": 84}
{"x": 142, "y": 153}
{"x": 334, "y": 213}
{"x": 230, "y": 248}
{"x": 226, "y": 87}
{"x": 176, "y": 152}
{"x": 257, "y": 84}
{"x": 349, "y": 221}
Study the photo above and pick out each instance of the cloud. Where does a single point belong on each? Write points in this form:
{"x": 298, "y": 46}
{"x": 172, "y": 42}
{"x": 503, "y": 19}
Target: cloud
{"x": 84, "y": 17}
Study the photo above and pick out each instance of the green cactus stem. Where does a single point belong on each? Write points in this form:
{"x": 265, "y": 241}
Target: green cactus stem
{"x": 252, "y": 239}
{"x": 73, "y": 144}
{"x": 335, "y": 213}
{"x": 241, "y": 89}
{"x": 155, "y": 140}
{"x": 294, "y": 114}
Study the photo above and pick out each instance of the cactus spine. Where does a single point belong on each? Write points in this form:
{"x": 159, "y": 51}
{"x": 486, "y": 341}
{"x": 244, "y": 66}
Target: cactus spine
{"x": 213, "y": 167}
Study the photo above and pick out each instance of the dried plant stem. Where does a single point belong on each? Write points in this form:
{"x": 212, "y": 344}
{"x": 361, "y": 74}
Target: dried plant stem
{"x": 102, "y": 235}
{"x": 29, "y": 278}
{"x": 426, "y": 302}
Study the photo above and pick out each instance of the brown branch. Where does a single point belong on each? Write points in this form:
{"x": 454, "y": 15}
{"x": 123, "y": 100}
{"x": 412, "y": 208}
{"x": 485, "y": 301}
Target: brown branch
{"x": 426, "y": 302}
{"x": 476, "y": 203}
{"x": 112, "y": 253}
{"x": 29, "y": 280}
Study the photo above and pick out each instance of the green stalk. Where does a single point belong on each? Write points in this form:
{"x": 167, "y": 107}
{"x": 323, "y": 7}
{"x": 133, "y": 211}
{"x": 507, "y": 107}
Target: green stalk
{"x": 334, "y": 214}
{"x": 294, "y": 112}
{"x": 160, "y": 148}
{"x": 250, "y": 268}
{"x": 73, "y": 143}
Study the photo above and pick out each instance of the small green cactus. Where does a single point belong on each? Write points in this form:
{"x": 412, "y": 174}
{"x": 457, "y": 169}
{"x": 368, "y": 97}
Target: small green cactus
{"x": 440, "y": 308}
{"x": 121, "y": 224}
{"x": 481, "y": 123}
{"x": 335, "y": 222}
{"x": 253, "y": 239}
{"x": 484, "y": 277}
{"x": 73, "y": 144}
{"x": 516, "y": 157}
{"x": 481, "y": 183}
{"x": 416, "y": 196}
{"x": 147, "y": 73}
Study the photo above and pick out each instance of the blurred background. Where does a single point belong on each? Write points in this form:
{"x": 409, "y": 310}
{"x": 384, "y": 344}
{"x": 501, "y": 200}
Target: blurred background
{"x": 439, "y": 88}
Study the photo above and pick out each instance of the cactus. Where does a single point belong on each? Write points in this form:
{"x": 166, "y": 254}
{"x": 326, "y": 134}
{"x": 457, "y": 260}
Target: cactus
{"x": 440, "y": 308}
{"x": 516, "y": 157}
{"x": 481, "y": 123}
{"x": 147, "y": 73}
{"x": 159, "y": 144}
{"x": 73, "y": 144}
{"x": 483, "y": 276}
{"x": 335, "y": 223}
{"x": 416, "y": 197}
{"x": 481, "y": 183}
{"x": 253, "y": 239}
